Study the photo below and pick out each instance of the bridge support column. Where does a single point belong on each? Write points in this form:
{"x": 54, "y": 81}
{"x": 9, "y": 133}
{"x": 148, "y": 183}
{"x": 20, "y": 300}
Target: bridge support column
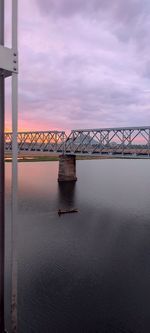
{"x": 67, "y": 168}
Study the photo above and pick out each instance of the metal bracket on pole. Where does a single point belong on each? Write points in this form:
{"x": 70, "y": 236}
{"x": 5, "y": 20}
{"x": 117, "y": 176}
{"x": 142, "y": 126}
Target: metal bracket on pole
{"x": 8, "y": 61}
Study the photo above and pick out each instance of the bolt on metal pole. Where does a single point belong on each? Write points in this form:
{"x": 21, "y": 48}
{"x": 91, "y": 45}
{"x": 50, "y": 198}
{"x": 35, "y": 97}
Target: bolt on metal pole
{"x": 2, "y": 186}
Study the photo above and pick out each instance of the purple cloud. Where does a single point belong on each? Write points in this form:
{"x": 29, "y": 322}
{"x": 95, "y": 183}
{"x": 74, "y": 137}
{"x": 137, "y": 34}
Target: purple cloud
{"x": 84, "y": 63}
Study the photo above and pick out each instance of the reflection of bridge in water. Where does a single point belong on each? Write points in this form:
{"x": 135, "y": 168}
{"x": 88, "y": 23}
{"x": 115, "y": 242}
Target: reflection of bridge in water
{"x": 128, "y": 141}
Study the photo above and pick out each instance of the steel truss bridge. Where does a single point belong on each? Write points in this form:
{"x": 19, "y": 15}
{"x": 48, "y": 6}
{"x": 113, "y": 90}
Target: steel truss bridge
{"x": 127, "y": 141}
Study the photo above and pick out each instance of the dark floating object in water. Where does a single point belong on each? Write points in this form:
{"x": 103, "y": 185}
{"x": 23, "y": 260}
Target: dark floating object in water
{"x": 66, "y": 211}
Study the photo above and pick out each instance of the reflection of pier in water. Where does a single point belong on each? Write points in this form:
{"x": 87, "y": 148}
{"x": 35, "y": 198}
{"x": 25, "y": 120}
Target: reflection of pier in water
{"x": 66, "y": 195}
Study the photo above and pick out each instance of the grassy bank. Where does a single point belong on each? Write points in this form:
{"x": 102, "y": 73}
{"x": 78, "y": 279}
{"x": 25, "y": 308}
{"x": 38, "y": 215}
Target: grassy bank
{"x": 52, "y": 158}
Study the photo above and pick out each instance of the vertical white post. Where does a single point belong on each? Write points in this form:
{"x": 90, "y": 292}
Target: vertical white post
{"x": 14, "y": 166}
{"x": 2, "y": 186}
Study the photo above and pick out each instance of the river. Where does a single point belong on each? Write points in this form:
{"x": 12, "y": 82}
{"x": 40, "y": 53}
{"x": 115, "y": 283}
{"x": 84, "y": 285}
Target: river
{"x": 89, "y": 271}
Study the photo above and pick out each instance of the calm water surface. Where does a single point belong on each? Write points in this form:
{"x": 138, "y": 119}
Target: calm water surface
{"x": 86, "y": 272}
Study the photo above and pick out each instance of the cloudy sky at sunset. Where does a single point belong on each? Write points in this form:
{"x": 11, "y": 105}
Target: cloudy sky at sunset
{"x": 83, "y": 64}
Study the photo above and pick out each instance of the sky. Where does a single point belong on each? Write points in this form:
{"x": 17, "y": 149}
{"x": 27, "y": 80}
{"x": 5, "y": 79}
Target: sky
{"x": 82, "y": 64}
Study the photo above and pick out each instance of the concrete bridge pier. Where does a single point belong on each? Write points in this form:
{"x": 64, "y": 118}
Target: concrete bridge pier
{"x": 67, "y": 168}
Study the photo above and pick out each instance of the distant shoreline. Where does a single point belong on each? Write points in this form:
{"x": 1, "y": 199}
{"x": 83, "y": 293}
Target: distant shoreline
{"x": 40, "y": 157}
{"x": 52, "y": 158}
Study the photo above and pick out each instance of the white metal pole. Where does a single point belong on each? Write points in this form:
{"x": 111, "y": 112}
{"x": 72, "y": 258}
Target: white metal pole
{"x": 14, "y": 165}
{"x": 2, "y": 185}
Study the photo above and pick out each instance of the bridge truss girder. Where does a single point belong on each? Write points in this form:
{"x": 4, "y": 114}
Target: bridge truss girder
{"x": 133, "y": 141}
{"x": 109, "y": 141}
{"x": 51, "y": 141}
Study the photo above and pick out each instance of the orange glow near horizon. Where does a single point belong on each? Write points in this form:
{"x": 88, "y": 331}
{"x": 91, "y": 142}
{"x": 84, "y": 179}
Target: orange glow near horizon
{"x": 32, "y": 125}
{"x": 35, "y": 128}
{"x": 7, "y": 130}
